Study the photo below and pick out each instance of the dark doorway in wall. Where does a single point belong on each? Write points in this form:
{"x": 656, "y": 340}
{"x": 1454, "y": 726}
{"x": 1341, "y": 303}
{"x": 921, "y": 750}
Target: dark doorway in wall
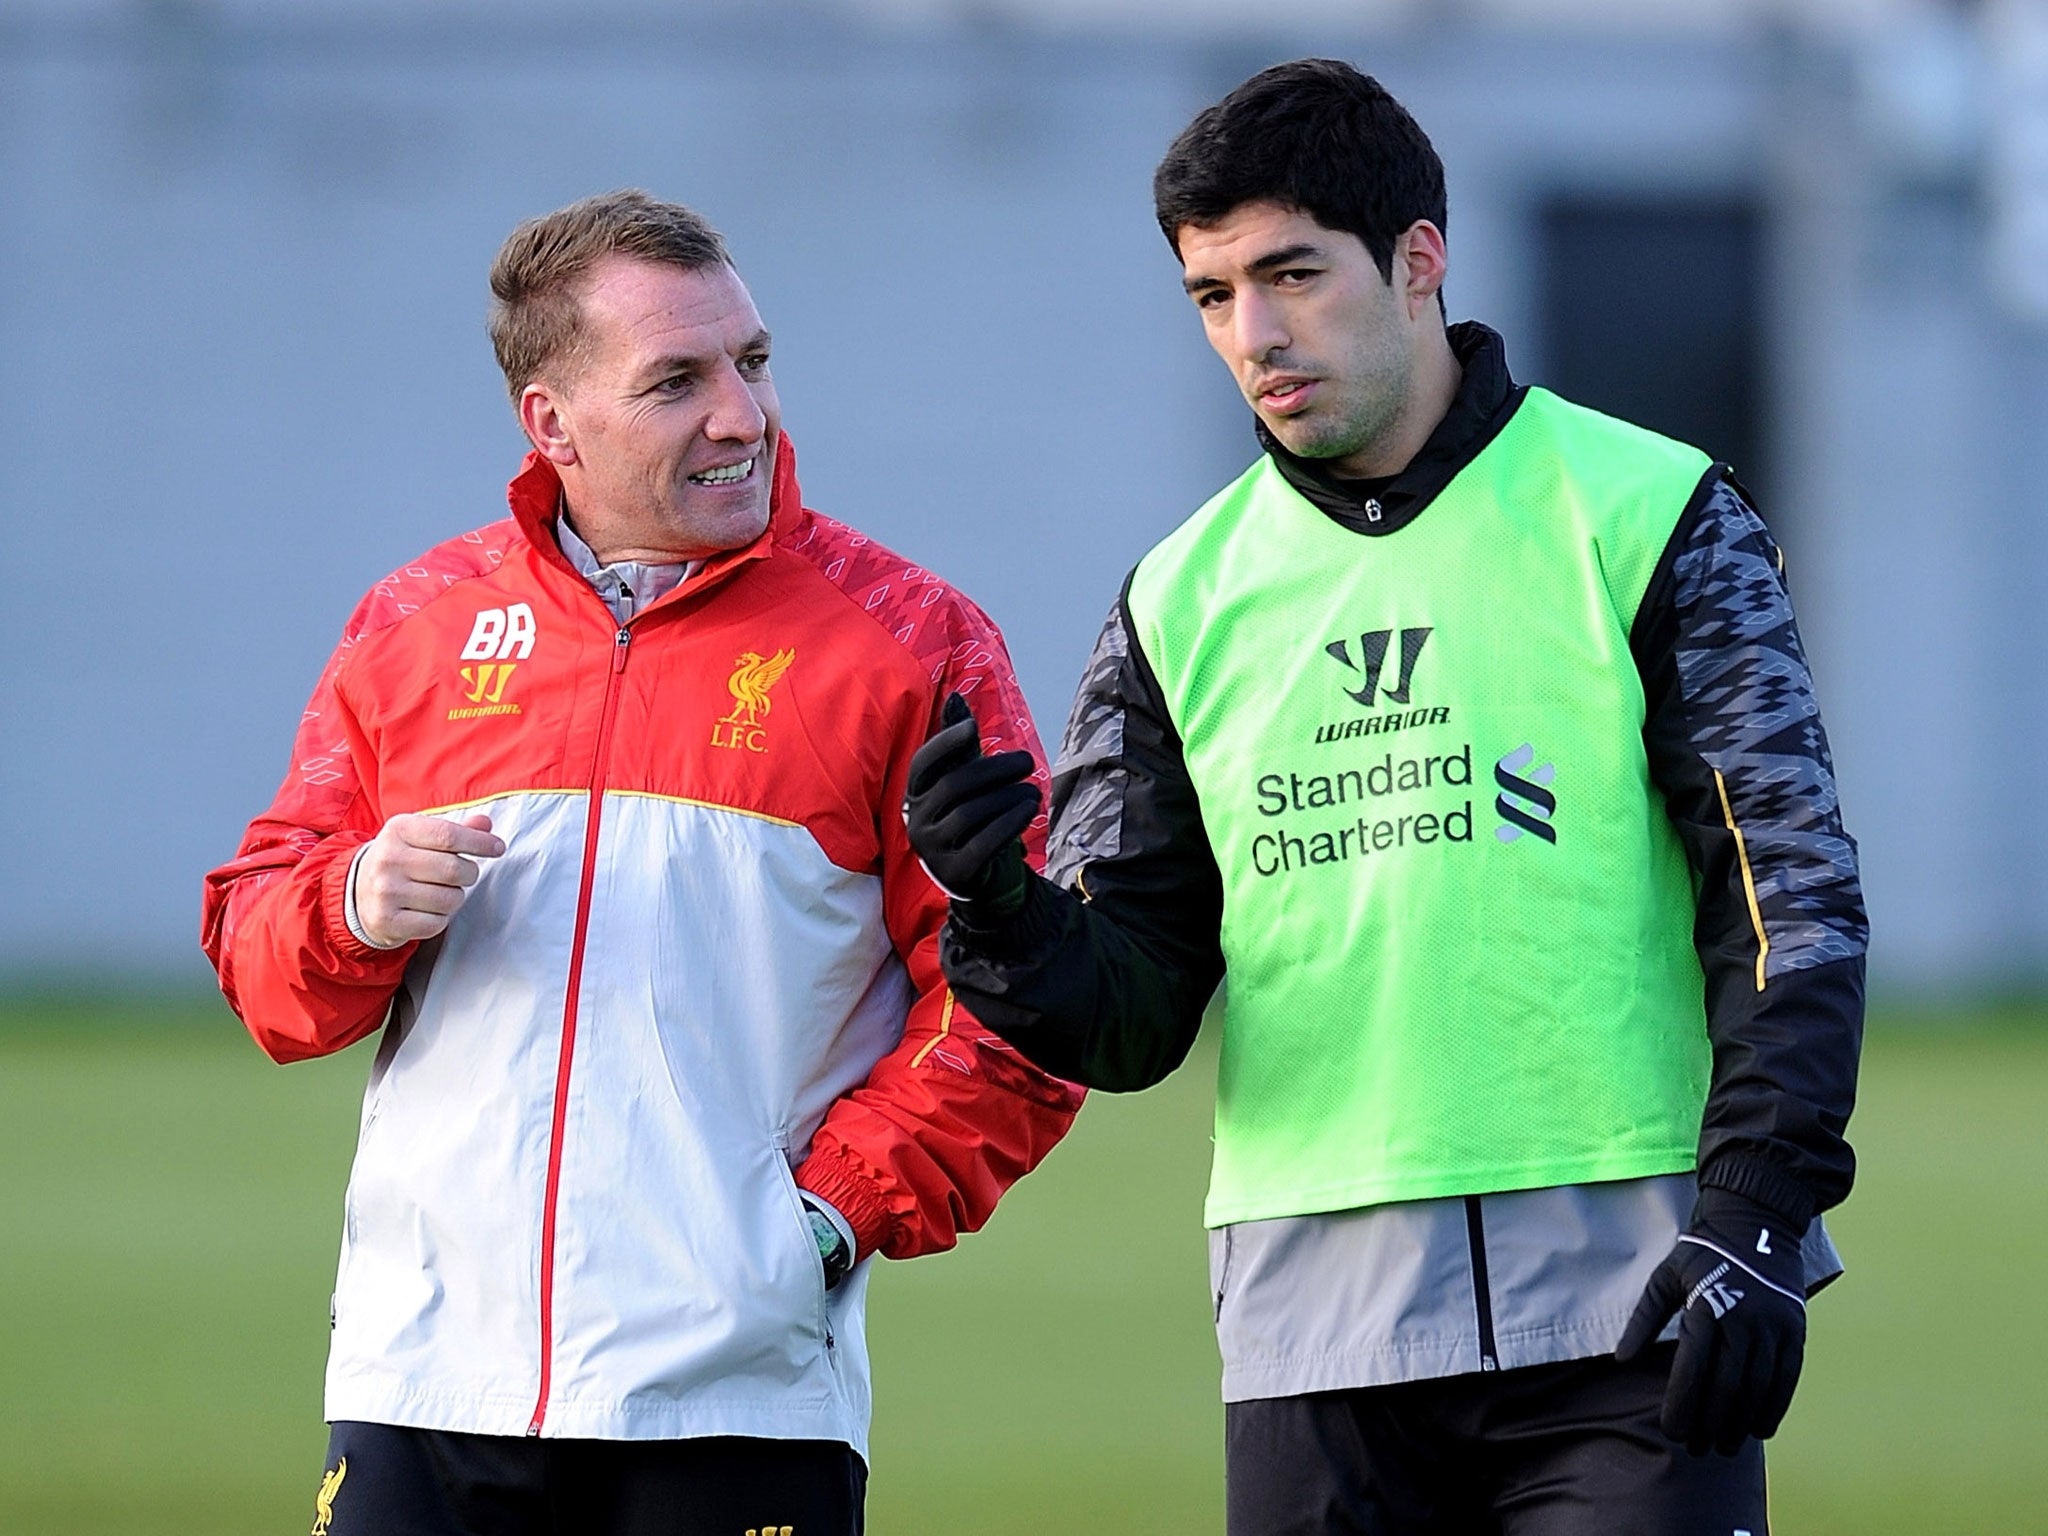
{"x": 1652, "y": 310}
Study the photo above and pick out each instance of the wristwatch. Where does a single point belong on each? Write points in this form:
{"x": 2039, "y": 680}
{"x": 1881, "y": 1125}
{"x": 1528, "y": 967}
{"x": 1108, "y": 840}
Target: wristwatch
{"x": 833, "y": 1247}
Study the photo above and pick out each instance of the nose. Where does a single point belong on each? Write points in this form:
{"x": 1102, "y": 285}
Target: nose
{"x": 736, "y": 416}
{"x": 1258, "y": 329}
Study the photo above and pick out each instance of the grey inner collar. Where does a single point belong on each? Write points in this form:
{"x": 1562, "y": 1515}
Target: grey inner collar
{"x": 627, "y": 586}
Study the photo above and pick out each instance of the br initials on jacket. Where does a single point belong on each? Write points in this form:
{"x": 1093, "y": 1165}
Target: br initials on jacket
{"x": 498, "y": 635}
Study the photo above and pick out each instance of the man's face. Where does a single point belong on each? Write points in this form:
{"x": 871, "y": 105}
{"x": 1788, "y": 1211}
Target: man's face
{"x": 668, "y": 416}
{"x": 1321, "y": 345}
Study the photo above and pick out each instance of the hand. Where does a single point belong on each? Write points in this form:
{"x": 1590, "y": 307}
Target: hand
{"x": 414, "y": 875}
{"x": 1737, "y": 1274}
{"x": 965, "y": 813}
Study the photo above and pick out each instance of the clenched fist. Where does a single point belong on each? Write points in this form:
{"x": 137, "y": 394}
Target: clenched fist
{"x": 412, "y": 877}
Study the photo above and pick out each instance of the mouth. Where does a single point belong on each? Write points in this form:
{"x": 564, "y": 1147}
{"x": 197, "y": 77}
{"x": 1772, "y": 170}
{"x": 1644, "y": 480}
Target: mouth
{"x": 1283, "y": 395}
{"x": 725, "y": 474}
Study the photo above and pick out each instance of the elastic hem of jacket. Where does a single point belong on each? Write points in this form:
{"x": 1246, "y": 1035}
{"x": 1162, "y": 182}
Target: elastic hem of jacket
{"x": 835, "y": 1178}
{"x": 1757, "y": 1178}
{"x": 1425, "y": 1359}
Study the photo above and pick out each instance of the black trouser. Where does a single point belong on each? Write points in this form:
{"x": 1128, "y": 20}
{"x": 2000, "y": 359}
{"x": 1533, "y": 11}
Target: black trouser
{"x": 1550, "y": 1450}
{"x": 430, "y": 1482}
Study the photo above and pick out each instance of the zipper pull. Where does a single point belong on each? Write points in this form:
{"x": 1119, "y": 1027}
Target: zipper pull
{"x": 1372, "y": 509}
{"x": 623, "y": 639}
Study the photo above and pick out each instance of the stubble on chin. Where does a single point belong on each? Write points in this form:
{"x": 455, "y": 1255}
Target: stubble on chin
{"x": 1307, "y": 438}
{"x": 1316, "y": 435}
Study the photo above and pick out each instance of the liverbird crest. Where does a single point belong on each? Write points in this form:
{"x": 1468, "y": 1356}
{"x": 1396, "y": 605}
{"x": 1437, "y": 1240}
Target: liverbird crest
{"x": 323, "y": 1501}
{"x": 752, "y": 676}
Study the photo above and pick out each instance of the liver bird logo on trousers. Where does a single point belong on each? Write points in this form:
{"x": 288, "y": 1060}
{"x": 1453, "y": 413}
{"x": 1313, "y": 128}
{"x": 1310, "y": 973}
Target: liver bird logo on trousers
{"x": 323, "y": 1501}
{"x": 752, "y": 676}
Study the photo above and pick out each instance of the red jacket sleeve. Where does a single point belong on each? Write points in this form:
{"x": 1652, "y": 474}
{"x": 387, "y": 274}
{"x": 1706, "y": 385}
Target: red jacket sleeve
{"x": 953, "y": 1116}
{"x": 273, "y": 921}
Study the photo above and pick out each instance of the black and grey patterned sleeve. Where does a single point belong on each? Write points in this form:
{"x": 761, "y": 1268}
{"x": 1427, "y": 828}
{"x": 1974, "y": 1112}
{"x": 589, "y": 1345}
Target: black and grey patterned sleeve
{"x": 1089, "y": 781}
{"x": 1102, "y": 978}
{"x": 1735, "y": 744}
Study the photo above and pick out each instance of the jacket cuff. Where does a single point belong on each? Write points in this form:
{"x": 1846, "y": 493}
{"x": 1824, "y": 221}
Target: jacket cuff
{"x": 852, "y": 1192}
{"x": 825, "y": 1208}
{"x": 1012, "y": 935}
{"x": 338, "y": 909}
{"x": 1759, "y": 1179}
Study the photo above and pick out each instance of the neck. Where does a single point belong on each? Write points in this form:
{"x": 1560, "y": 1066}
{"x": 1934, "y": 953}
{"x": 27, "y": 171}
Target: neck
{"x": 614, "y": 551}
{"x": 1433, "y": 389}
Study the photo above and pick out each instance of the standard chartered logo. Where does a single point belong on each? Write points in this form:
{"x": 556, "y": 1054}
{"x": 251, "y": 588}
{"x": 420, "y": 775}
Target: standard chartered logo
{"x": 1394, "y": 803}
{"x": 1364, "y": 829}
{"x": 1524, "y": 802}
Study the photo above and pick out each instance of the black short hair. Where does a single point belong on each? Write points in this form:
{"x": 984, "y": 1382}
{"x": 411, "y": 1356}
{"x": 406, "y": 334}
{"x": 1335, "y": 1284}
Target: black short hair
{"x": 1315, "y": 135}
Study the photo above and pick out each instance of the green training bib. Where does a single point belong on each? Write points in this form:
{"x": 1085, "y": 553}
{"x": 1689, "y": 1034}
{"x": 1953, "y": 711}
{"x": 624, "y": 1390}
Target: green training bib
{"x": 1457, "y": 920}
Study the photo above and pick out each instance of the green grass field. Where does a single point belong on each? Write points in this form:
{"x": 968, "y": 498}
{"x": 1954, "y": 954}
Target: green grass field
{"x": 169, "y": 1208}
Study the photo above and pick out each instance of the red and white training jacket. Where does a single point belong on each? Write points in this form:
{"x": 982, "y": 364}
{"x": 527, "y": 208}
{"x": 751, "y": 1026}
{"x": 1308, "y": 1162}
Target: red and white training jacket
{"x": 703, "y": 974}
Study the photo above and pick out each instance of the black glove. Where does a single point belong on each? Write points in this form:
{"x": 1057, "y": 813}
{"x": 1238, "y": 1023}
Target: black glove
{"x": 1737, "y": 1274}
{"x": 965, "y": 814}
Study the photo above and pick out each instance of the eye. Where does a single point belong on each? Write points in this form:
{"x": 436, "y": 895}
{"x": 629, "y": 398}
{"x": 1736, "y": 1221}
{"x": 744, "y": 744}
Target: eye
{"x": 1294, "y": 277}
{"x": 754, "y": 363}
{"x": 1209, "y": 298}
{"x": 675, "y": 384}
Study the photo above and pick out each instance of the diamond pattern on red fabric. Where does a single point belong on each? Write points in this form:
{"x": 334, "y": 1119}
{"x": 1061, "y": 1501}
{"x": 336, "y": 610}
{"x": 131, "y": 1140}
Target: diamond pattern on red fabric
{"x": 949, "y": 636}
{"x": 411, "y": 587}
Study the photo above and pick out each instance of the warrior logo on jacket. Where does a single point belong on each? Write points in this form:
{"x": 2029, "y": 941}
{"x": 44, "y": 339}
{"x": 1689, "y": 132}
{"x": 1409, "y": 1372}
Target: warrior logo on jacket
{"x": 752, "y": 676}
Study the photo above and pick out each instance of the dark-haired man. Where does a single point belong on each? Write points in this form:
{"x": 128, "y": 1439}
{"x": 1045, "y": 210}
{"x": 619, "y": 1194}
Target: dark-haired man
{"x": 1468, "y": 740}
{"x": 596, "y": 813}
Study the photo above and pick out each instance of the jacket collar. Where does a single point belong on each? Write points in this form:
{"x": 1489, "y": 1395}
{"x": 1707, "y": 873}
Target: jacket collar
{"x": 1486, "y": 400}
{"x": 535, "y": 496}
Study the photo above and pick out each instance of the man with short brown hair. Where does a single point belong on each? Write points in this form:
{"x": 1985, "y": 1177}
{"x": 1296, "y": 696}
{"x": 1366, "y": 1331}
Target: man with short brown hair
{"x": 596, "y": 811}
{"x": 537, "y": 316}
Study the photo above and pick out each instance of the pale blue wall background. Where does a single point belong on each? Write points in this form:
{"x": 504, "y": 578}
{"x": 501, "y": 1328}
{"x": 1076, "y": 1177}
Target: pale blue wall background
{"x": 243, "y": 371}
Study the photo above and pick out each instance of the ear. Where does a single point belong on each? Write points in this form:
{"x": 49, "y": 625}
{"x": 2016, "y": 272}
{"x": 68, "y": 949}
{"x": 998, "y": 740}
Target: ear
{"x": 1420, "y": 261}
{"x": 544, "y": 418}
